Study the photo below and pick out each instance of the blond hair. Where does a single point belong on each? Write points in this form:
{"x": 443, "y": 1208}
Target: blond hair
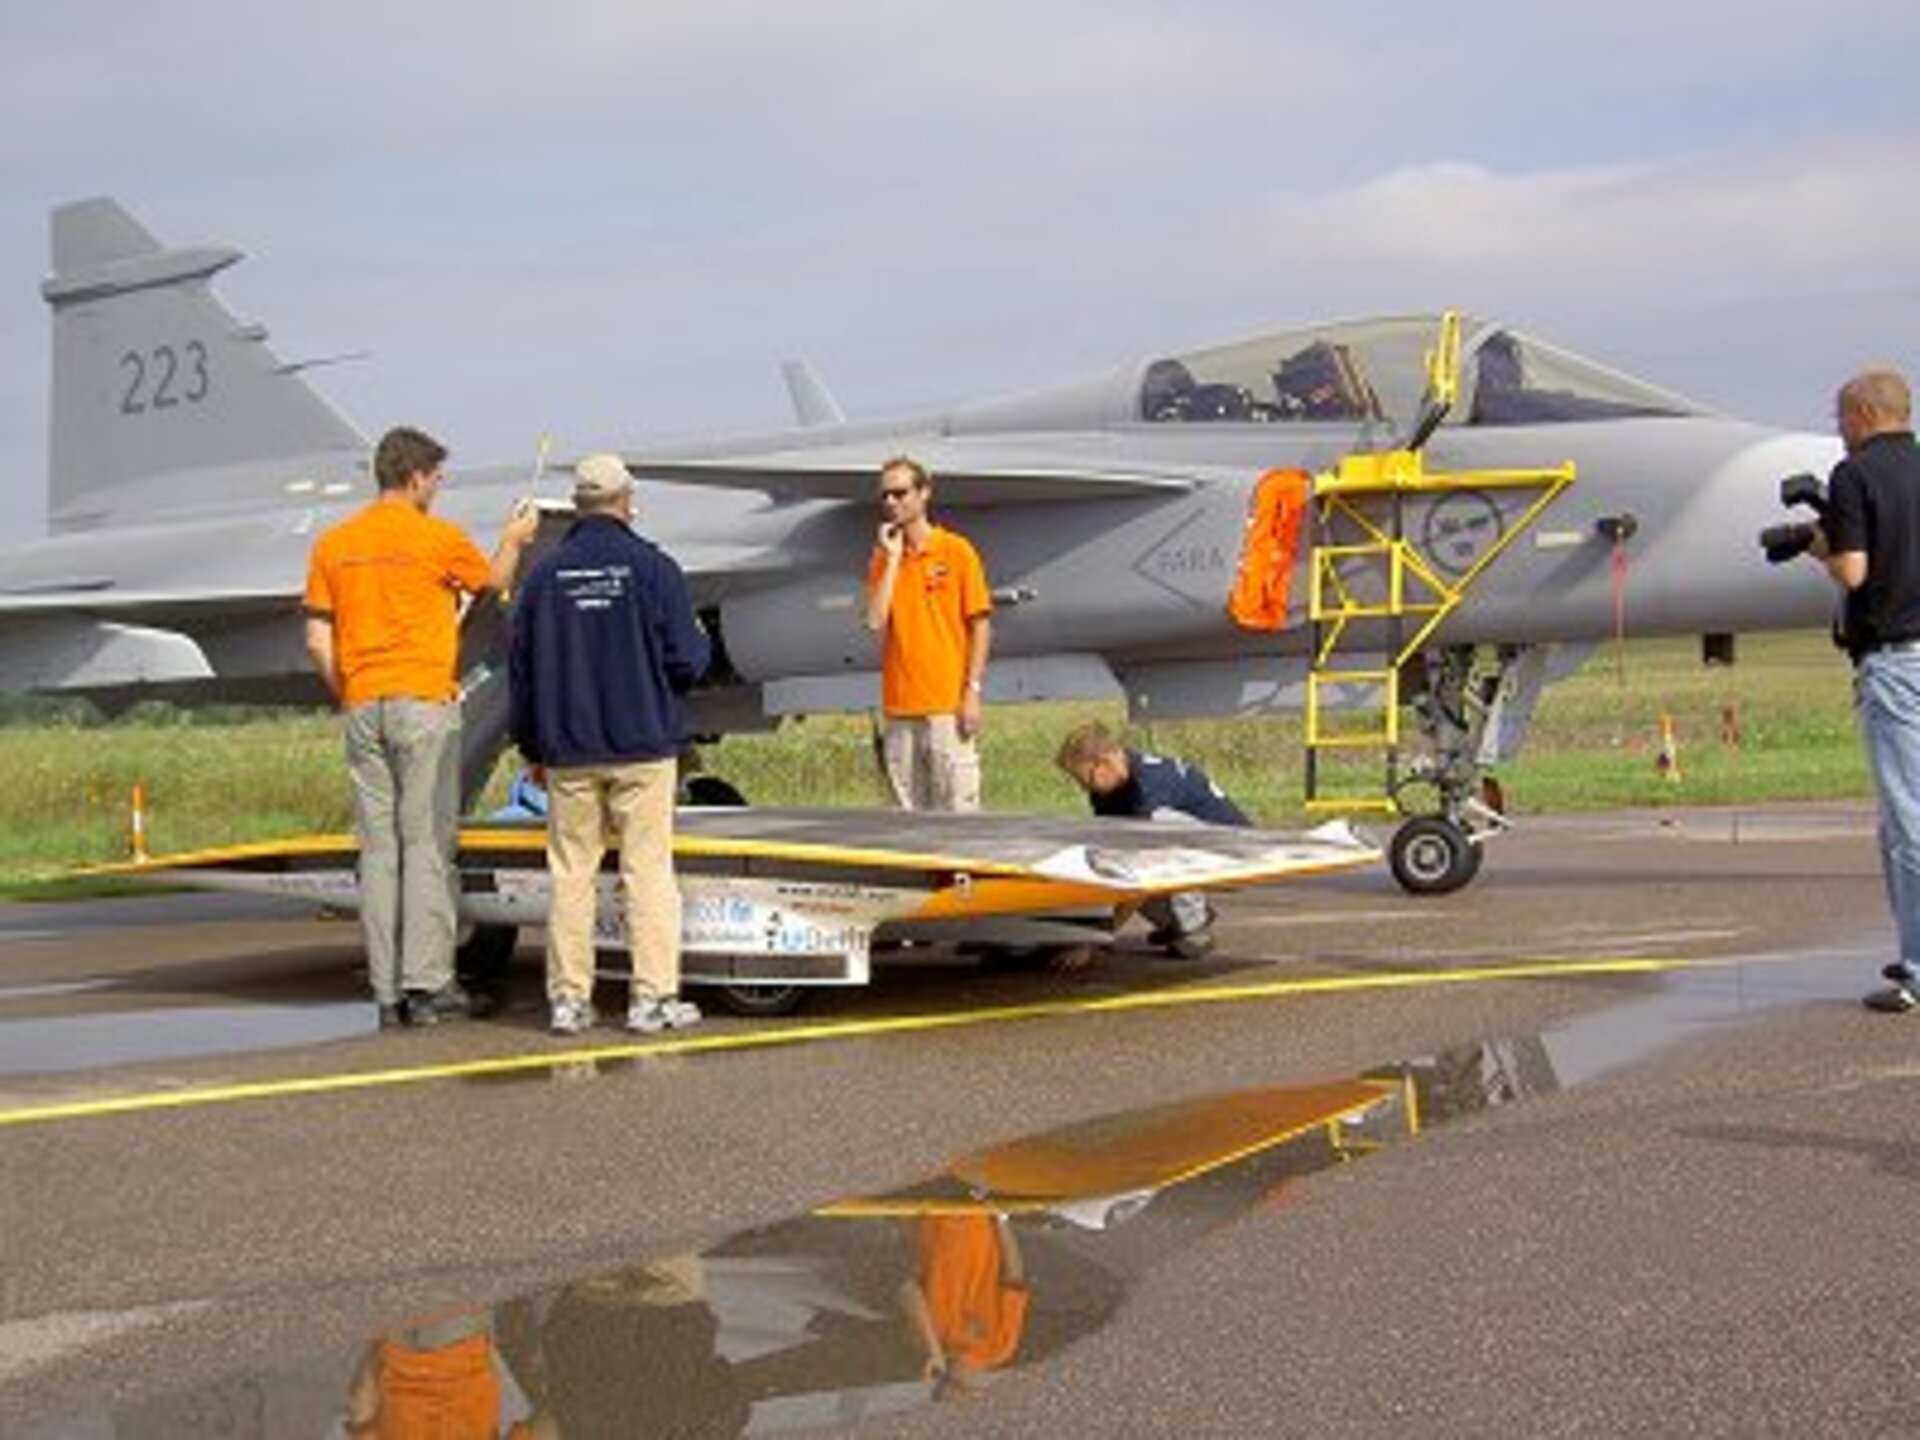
{"x": 916, "y": 472}
{"x": 1086, "y": 743}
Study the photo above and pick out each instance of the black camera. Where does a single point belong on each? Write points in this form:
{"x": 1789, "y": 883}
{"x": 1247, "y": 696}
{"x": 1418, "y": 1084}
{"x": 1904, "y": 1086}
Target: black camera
{"x": 1790, "y": 540}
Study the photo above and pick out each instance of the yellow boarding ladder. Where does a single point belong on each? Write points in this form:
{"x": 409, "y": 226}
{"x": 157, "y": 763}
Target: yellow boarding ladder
{"x": 1375, "y": 599}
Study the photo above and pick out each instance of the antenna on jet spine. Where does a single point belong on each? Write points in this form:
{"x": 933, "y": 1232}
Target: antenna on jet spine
{"x": 540, "y": 453}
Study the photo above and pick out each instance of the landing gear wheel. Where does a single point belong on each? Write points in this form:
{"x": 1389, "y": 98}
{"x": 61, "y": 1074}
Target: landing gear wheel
{"x": 485, "y": 955}
{"x": 1432, "y": 855}
{"x": 759, "y": 1001}
{"x": 1470, "y": 862}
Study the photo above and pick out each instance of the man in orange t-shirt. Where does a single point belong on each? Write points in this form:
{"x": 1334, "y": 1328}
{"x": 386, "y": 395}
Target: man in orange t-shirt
{"x": 967, "y": 1301}
{"x": 440, "y": 1385}
{"x": 382, "y": 604}
{"x": 927, "y": 599}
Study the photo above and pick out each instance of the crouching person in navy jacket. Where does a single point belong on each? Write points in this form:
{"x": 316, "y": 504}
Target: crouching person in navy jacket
{"x": 604, "y": 641}
{"x": 1140, "y": 785}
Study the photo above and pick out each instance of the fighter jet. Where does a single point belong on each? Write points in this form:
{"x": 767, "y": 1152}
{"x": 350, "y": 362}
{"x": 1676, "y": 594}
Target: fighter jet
{"x": 1124, "y": 517}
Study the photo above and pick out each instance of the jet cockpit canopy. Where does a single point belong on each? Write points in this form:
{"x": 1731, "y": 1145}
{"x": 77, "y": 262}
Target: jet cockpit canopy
{"x": 1373, "y": 372}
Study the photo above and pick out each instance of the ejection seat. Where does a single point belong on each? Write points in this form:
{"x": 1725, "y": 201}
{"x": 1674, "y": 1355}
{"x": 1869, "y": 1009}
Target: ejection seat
{"x": 1323, "y": 382}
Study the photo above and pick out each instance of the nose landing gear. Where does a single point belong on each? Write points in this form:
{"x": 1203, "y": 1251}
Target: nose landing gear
{"x": 1432, "y": 855}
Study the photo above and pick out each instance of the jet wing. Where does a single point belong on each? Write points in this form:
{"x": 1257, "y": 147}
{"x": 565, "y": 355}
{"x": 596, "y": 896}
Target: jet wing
{"x": 106, "y": 601}
{"x": 101, "y": 638}
{"x": 967, "y": 472}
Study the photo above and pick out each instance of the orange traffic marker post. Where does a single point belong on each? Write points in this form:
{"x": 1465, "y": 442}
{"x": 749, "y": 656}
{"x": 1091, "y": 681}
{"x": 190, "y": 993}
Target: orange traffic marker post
{"x": 1668, "y": 760}
{"x": 137, "y": 825}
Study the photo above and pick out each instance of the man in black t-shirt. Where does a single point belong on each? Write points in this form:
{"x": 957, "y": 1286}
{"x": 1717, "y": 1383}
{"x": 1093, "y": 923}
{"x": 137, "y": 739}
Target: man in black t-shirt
{"x": 1870, "y": 544}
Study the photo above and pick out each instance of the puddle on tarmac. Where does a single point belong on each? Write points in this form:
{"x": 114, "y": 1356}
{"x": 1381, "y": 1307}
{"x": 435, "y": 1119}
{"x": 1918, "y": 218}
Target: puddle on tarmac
{"x": 884, "y": 1303}
{"x": 50, "y": 987}
{"x": 55, "y": 1043}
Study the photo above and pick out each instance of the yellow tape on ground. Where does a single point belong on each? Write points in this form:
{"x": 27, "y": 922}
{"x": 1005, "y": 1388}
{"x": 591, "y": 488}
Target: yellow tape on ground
{"x": 806, "y": 1034}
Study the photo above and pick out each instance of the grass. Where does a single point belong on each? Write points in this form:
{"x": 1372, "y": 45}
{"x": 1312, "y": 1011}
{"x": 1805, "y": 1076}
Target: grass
{"x": 1777, "y": 725}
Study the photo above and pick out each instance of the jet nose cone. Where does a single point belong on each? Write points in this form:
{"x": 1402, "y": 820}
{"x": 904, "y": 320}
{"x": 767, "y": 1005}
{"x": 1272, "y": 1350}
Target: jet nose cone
{"x": 1753, "y": 482}
{"x": 1726, "y": 582}
{"x": 1800, "y": 452}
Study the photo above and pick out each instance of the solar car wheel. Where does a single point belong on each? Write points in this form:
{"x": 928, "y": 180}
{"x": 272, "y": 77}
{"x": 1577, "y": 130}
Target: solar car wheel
{"x": 758, "y": 1001}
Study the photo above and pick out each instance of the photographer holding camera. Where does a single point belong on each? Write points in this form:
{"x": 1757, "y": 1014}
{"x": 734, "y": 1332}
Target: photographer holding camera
{"x": 1869, "y": 540}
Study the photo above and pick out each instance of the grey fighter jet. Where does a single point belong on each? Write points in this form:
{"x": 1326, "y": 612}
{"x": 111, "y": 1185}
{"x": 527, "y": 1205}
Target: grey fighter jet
{"x": 191, "y": 469}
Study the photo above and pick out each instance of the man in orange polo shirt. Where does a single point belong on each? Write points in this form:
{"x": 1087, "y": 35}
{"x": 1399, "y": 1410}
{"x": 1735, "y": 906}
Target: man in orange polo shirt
{"x": 967, "y": 1301}
{"x": 927, "y": 599}
{"x": 382, "y": 603}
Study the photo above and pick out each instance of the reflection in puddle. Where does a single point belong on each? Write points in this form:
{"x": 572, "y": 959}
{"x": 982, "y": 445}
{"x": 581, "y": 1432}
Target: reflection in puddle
{"x": 883, "y": 1303}
{"x": 51, "y": 987}
{"x": 123, "y": 1037}
{"x": 872, "y": 1306}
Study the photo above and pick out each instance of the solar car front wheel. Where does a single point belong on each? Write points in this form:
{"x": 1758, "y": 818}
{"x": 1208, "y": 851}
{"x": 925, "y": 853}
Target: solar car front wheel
{"x": 757, "y": 1001}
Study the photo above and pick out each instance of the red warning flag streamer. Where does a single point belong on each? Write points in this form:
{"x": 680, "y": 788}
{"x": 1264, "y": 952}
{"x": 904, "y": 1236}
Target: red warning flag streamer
{"x": 1619, "y": 568}
{"x": 1618, "y": 565}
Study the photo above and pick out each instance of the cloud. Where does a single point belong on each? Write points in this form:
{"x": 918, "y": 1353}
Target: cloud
{"x": 612, "y": 221}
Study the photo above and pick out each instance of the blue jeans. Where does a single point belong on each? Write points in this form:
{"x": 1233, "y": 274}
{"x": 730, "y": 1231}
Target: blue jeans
{"x": 1886, "y": 694}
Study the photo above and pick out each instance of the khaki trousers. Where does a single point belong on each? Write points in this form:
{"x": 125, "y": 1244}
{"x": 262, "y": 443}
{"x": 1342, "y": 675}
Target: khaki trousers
{"x": 929, "y": 766}
{"x": 631, "y": 806}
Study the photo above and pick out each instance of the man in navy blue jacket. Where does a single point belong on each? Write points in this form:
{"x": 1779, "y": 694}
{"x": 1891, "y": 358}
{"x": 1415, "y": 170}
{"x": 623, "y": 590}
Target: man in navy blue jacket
{"x": 604, "y": 641}
{"x": 1137, "y": 784}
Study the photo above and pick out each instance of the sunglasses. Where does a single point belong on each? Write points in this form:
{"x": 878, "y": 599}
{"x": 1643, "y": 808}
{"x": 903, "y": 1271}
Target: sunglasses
{"x": 896, "y": 494}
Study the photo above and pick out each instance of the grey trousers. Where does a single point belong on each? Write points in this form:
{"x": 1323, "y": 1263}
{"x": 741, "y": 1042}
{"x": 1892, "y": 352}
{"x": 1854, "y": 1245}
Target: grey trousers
{"x": 404, "y": 756}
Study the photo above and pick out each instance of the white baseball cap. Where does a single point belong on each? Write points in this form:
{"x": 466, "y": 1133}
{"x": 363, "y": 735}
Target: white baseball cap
{"x": 600, "y": 478}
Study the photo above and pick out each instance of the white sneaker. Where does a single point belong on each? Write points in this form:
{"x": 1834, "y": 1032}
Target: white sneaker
{"x": 650, "y": 1016}
{"x": 572, "y": 1017}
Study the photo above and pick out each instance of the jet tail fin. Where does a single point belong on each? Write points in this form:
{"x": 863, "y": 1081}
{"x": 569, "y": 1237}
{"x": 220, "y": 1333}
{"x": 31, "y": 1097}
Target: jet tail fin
{"x": 163, "y": 401}
{"x": 813, "y": 403}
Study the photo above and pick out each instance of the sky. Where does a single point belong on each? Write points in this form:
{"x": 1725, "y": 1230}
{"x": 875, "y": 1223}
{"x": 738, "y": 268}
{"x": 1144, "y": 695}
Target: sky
{"x": 610, "y": 222}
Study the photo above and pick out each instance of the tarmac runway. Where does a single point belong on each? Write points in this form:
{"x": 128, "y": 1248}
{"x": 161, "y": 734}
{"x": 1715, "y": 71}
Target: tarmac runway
{"x": 1602, "y": 1145}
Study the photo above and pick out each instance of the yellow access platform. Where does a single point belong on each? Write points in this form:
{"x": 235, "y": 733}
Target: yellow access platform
{"x": 1375, "y": 600}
